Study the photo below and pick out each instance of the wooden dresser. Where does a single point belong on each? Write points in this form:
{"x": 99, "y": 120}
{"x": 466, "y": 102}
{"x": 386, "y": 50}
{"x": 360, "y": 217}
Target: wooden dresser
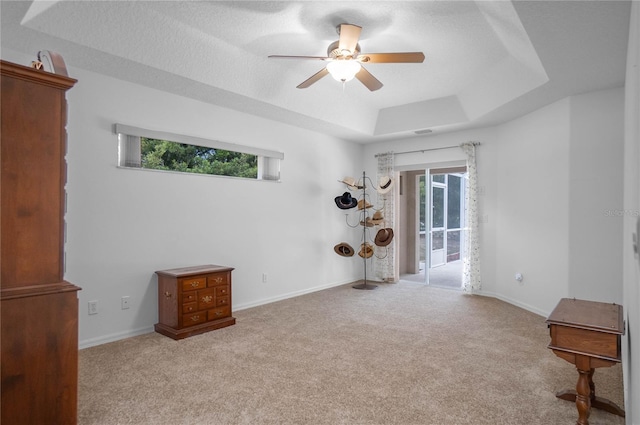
{"x": 39, "y": 310}
{"x": 194, "y": 300}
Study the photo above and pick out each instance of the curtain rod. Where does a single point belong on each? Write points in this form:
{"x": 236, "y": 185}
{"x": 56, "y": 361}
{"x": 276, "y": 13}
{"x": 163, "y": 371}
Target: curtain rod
{"x": 430, "y": 149}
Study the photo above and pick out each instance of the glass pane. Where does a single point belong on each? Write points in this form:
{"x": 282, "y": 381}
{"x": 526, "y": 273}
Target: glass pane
{"x": 437, "y": 240}
{"x": 173, "y": 156}
{"x": 453, "y": 202}
{"x": 438, "y": 178}
{"x": 453, "y": 245}
{"x": 438, "y": 207}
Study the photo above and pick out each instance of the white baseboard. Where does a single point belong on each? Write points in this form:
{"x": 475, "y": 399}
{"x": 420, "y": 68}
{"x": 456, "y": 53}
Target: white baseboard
{"x": 516, "y": 303}
{"x": 288, "y": 295}
{"x": 91, "y": 342}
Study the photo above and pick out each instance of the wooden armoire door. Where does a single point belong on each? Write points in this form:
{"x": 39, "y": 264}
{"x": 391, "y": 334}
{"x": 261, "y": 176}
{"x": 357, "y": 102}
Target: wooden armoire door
{"x": 39, "y": 310}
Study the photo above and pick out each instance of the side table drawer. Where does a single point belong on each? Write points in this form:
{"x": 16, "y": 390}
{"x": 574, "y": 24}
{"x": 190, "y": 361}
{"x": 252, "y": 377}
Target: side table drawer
{"x": 194, "y": 318}
{"x": 222, "y": 291}
{"x": 217, "y": 279}
{"x": 193, "y": 283}
{"x": 218, "y": 313}
{"x": 190, "y": 308}
{"x": 189, "y": 297}
{"x": 205, "y": 299}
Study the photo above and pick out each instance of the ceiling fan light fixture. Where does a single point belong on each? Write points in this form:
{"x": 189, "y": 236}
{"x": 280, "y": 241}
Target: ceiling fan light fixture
{"x": 343, "y": 70}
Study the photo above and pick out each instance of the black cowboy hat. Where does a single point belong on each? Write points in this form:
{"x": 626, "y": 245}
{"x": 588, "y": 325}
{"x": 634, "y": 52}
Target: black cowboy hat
{"x": 345, "y": 201}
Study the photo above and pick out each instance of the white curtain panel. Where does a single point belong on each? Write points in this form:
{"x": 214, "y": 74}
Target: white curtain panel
{"x": 471, "y": 257}
{"x": 386, "y": 268}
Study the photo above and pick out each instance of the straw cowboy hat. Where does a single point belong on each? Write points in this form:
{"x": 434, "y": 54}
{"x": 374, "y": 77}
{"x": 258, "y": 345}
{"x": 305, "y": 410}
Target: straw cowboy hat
{"x": 366, "y": 250}
{"x": 344, "y": 249}
{"x": 377, "y": 217}
{"x": 351, "y": 183}
{"x": 362, "y": 204}
{"x": 367, "y": 222}
{"x": 384, "y": 185}
{"x": 384, "y": 236}
{"x": 345, "y": 201}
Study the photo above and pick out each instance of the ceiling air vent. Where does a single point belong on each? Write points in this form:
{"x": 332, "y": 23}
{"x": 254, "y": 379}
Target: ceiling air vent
{"x": 425, "y": 131}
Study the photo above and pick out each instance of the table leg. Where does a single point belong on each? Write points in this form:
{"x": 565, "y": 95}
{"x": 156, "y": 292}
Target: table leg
{"x": 592, "y": 387}
{"x": 583, "y": 399}
{"x": 596, "y": 402}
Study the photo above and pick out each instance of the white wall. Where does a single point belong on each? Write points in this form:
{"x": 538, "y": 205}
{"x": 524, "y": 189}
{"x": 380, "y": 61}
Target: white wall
{"x": 532, "y": 202}
{"x": 595, "y": 197}
{"x": 122, "y": 224}
{"x": 631, "y": 270}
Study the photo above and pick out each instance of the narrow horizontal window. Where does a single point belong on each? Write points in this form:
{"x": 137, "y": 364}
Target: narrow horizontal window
{"x": 154, "y": 150}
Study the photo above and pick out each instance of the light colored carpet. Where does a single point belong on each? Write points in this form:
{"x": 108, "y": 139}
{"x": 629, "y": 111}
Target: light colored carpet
{"x": 401, "y": 354}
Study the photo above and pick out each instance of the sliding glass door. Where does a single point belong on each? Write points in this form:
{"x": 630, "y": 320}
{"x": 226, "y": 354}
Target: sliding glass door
{"x": 442, "y": 226}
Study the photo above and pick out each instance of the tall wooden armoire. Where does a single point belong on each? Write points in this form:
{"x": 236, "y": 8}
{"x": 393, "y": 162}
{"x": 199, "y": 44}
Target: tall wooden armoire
{"x": 39, "y": 310}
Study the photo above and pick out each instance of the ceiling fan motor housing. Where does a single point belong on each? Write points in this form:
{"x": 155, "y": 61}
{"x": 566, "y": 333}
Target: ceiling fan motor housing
{"x": 334, "y": 51}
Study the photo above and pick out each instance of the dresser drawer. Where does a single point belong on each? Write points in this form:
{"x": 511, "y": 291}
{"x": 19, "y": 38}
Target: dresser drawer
{"x": 189, "y": 297}
{"x": 222, "y": 291}
{"x": 189, "y": 308}
{"x": 194, "y": 318}
{"x": 218, "y": 313}
{"x": 205, "y": 299}
{"x": 220, "y": 301}
{"x": 192, "y": 283}
{"x": 218, "y": 279}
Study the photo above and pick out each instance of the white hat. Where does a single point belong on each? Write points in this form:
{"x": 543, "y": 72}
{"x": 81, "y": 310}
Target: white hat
{"x": 384, "y": 185}
{"x": 351, "y": 183}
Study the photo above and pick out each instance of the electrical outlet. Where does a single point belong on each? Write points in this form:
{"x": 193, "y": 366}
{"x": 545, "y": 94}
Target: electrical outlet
{"x": 125, "y": 302}
{"x": 264, "y": 278}
{"x": 93, "y": 307}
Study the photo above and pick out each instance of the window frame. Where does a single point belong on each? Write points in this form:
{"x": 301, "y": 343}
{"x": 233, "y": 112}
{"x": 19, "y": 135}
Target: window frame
{"x": 268, "y": 160}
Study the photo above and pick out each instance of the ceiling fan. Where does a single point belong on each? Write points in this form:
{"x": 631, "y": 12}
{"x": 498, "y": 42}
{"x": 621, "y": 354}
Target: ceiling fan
{"x": 345, "y": 59}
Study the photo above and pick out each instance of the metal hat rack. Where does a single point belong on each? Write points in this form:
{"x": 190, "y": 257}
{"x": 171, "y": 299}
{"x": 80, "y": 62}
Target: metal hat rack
{"x": 364, "y": 219}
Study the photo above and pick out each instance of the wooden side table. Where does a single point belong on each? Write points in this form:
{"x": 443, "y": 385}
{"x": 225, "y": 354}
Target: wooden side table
{"x": 193, "y": 300}
{"x": 587, "y": 334}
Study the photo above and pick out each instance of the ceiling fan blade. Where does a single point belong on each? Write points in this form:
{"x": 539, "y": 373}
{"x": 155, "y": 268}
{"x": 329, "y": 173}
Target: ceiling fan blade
{"x": 349, "y": 35}
{"x": 322, "y": 58}
{"x": 368, "y": 80}
{"x": 315, "y": 77}
{"x": 404, "y": 57}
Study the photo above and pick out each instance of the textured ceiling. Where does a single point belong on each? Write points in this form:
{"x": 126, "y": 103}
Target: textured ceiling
{"x": 486, "y": 61}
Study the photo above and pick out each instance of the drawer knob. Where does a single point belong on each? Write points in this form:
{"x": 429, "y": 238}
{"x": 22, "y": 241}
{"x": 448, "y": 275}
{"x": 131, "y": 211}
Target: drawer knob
{"x": 195, "y": 284}
{"x": 195, "y": 318}
{"x": 167, "y": 294}
{"x": 218, "y": 279}
{"x": 207, "y": 299}
{"x": 218, "y": 313}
